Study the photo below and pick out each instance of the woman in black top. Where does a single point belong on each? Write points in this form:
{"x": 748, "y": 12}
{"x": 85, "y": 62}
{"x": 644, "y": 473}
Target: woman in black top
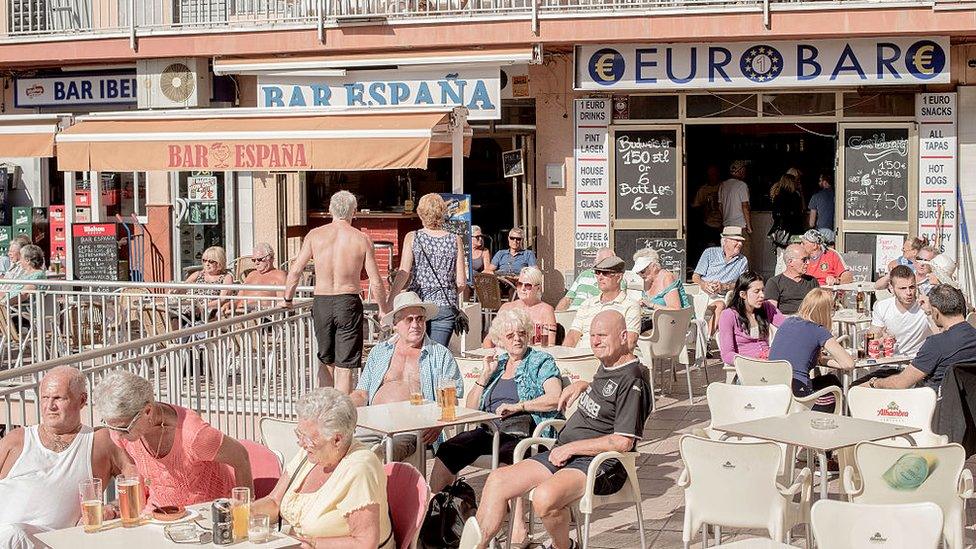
{"x": 787, "y": 205}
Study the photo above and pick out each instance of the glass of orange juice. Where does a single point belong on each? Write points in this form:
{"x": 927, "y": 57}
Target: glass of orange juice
{"x": 240, "y": 499}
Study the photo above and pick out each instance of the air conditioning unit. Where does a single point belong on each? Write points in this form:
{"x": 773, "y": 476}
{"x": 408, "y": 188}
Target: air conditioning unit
{"x": 173, "y": 83}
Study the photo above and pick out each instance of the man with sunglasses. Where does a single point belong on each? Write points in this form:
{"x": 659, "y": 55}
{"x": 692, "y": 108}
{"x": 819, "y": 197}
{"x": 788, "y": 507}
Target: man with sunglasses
{"x": 42, "y": 465}
{"x": 609, "y": 273}
{"x": 515, "y": 258}
{"x": 265, "y": 273}
{"x": 787, "y": 289}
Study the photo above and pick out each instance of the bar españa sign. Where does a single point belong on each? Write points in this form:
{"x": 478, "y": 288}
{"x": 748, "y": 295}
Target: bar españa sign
{"x": 752, "y": 65}
{"x": 234, "y": 156}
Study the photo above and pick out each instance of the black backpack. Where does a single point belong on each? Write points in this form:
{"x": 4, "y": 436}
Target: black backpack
{"x": 446, "y": 514}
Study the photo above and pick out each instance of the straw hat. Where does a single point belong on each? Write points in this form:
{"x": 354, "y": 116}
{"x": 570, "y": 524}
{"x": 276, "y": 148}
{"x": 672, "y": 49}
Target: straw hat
{"x": 733, "y": 233}
{"x": 944, "y": 269}
{"x": 407, "y": 300}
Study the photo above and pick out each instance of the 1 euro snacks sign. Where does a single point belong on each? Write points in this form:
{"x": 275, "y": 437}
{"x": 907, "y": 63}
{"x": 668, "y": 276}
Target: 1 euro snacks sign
{"x": 756, "y": 65}
{"x": 478, "y": 89}
{"x": 76, "y": 89}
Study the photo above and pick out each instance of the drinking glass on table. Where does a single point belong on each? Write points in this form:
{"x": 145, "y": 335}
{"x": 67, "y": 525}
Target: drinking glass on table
{"x": 130, "y": 499}
{"x": 258, "y": 528}
{"x": 91, "y": 504}
{"x": 447, "y": 398}
{"x": 240, "y": 501}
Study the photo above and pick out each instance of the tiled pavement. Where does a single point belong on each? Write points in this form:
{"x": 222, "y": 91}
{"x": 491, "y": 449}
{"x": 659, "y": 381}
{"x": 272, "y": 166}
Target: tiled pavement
{"x": 659, "y": 468}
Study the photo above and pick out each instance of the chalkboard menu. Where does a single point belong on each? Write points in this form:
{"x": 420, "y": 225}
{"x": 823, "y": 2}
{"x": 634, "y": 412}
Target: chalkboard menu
{"x": 646, "y": 174}
{"x": 627, "y": 242}
{"x": 876, "y": 174}
{"x": 96, "y": 251}
{"x": 861, "y": 265}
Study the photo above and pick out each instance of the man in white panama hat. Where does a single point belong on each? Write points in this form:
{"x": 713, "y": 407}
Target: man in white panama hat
{"x": 409, "y": 362}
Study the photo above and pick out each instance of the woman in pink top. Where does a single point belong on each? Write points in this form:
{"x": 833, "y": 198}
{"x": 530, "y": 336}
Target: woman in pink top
{"x": 744, "y": 325}
{"x": 181, "y": 458}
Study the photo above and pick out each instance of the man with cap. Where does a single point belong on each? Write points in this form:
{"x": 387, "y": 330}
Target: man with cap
{"x": 585, "y": 286}
{"x": 407, "y": 363}
{"x": 718, "y": 268}
{"x": 609, "y": 273}
{"x": 825, "y": 264}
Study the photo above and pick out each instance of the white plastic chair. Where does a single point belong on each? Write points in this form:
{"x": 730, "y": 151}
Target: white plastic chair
{"x": 910, "y": 407}
{"x": 754, "y": 371}
{"x": 471, "y": 535}
{"x": 734, "y": 484}
{"x": 667, "y": 340}
{"x": 565, "y": 319}
{"x": 279, "y": 436}
{"x": 843, "y": 525}
{"x": 628, "y": 494}
{"x": 939, "y": 475}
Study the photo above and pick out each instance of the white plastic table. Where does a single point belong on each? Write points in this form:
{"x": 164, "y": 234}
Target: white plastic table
{"x": 756, "y": 543}
{"x": 795, "y": 430}
{"x": 402, "y": 417}
{"x": 558, "y": 352}
{"x": 146, "y": 536}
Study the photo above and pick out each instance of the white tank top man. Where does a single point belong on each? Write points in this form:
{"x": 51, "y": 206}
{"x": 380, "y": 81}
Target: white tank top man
{"x": 42, "y": 465}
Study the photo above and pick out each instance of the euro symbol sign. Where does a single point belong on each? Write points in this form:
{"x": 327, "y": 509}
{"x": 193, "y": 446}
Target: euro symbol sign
{"x": 923, "y": 60}
{"x": 604, "y": 66}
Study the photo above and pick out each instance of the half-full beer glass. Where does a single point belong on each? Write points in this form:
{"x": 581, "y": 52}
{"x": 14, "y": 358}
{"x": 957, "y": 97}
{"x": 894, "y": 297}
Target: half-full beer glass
{"x": 130, "y": 499}
{"x": 91, "y": 504}
{"x": 447, "y": 390}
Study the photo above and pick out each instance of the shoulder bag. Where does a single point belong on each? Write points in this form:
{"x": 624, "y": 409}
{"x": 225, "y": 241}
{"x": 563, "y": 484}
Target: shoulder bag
{"x": 446, "y": 515}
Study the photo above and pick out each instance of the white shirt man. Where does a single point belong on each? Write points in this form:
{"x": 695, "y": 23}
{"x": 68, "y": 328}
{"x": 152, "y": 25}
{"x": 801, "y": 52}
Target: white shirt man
{"x": 902, "y": 315}
{"x": 733, "y": 197}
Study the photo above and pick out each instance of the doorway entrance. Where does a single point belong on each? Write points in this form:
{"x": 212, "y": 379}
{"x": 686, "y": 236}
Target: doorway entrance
{"x": 769, "y": 150}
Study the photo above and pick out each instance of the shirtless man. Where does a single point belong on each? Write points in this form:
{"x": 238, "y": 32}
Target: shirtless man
{"x": 407, "y": 363}
{"x": 264, "y": 274}
{"x": 340, "y": 253}
{"x": 40, "y": 488}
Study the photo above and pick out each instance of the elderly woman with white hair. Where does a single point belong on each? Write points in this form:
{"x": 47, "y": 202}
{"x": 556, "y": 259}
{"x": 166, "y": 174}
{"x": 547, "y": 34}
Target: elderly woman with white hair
{"x": 529, "y": 290}
{"x": 661, "y": 288}
{"x": 521, "y": 384}
{"x": 183, "y": 459}
{"x": 333, "y": 493}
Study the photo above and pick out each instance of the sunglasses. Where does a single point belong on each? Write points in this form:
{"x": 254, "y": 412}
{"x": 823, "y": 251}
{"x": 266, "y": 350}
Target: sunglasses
{"x": 516, "y": 238}
{"x": 606, "y": 273}
{"x": 526, "y": 285}
{"x": 260, "y": 259}
{"x": 210, "y": 261}
{"x": 124, "y": 430}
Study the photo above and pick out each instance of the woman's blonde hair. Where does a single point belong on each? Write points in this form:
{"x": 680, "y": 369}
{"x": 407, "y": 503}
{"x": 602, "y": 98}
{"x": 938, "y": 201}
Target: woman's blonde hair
{"x": 817, "y": 307}
{"x": 786, "y": 183}
{"x": 534, "y": 276}
{"x": 216, "y": 253}
{"x": 432, "y": 210}
{"x": 510, "y": 319}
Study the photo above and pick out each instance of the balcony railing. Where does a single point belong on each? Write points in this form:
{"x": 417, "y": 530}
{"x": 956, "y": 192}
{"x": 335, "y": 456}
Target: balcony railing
{"x": 99, "y": 18}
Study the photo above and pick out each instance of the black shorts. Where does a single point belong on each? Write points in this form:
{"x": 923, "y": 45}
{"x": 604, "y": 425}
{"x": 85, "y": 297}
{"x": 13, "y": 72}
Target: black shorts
{"x": 338, "y": 323}
{"x": 462, "y": 450}
{"x": 610, "y": 478}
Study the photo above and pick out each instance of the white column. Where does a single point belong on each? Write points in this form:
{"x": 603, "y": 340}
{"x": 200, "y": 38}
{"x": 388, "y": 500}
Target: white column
{"x": 458, "y": 119}
{"x": 69, "y": 219}
{"x": 967, "y": 172}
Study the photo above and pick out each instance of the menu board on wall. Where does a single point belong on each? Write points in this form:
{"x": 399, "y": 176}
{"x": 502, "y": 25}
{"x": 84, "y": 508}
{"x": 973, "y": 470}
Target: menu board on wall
{"x": 591, "y": 157}
{"x": 876, "y": 174}
{"x": 95, "y": 250}
{"x": 937, "y": 169}
{"x": 627, "y": 242}
{"x": 645, "y": 174}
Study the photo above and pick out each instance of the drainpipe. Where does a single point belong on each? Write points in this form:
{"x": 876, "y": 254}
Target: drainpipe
{"x": 535, "y": 16}
{"x": 766, "y": 20}
{"x": 320, "y": 7}
{"x": 132, "y": 25}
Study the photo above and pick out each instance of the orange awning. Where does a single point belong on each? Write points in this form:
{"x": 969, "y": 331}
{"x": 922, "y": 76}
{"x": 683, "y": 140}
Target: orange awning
{"x": 256, "y": 140}
{"x": 28, "y": 136}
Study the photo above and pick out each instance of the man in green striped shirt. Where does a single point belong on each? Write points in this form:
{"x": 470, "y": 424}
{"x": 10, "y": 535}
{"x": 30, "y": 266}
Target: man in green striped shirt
{"x": 585, "y": 286}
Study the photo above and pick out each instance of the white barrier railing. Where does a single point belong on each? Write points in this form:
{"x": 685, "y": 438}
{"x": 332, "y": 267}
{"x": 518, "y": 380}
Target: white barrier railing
{"x": 64, "y": 318}
{"x": 233, "y": 371}
{"x": 97, "y": 18}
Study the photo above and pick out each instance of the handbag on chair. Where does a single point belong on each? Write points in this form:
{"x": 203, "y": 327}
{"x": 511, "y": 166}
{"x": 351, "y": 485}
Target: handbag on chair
{"x": 446, "y": 515}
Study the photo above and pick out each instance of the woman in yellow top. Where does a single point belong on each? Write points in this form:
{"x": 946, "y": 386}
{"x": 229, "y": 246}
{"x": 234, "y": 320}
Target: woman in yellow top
{"x": 334, "y": 492}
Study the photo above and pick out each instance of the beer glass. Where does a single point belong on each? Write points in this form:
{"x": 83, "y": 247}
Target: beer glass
{"x": 447, "y": 390}
{"x": 91, "y": 504}
{"x": 130, "y": 499}
{"x": 240, "y": 500}
{"x": 258, "y": 528}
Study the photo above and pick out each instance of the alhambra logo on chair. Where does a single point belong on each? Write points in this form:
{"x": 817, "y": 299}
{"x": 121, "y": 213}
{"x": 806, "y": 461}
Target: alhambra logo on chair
{"x": 728, "y": 465}
{"x": 877, "y": 538}
{"x": 749, "y": 407}
{"x": 763, "y": 379}
{"x": 892, "y": 410}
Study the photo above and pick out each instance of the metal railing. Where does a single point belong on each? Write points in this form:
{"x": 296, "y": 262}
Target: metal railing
{"x": 99, "y": 18}
{"x": 64, "y": 318}
{"x": 233, "y": 371}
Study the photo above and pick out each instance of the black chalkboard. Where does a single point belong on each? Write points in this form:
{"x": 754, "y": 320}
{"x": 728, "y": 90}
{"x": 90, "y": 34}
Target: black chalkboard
{"x": 627, "y": 242}
{"x": 646, "y": 174}
{"x": 876, "y": 174}
{"x": 861, "y": 265}
{"x": 671, "y": 251}
{"x": 96, "y": 251}
{"x": 865, "y": 243}
{"x": 583, "y": 260}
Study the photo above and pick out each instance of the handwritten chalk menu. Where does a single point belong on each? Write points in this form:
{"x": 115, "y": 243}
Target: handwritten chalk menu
{"x": 96, "y": 251}
{"x": 627, "y": 242}
{"x": 861, "y": 265}
{"x": 646, "y": 174}
{"x": 876, "y": 174}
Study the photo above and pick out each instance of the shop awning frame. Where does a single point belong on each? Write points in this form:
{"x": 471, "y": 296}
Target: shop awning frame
{"x": 312, "y": 65}
{"x": 30, "y": 135}
{"x": 253, "y": 139}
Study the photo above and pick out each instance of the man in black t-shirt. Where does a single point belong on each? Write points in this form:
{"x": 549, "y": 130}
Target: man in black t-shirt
{"x": 787, "y": 289}
{"x": 610, "y": 416}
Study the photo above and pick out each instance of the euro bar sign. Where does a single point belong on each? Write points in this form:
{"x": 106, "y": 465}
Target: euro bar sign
{"x": 761, "y": 64}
